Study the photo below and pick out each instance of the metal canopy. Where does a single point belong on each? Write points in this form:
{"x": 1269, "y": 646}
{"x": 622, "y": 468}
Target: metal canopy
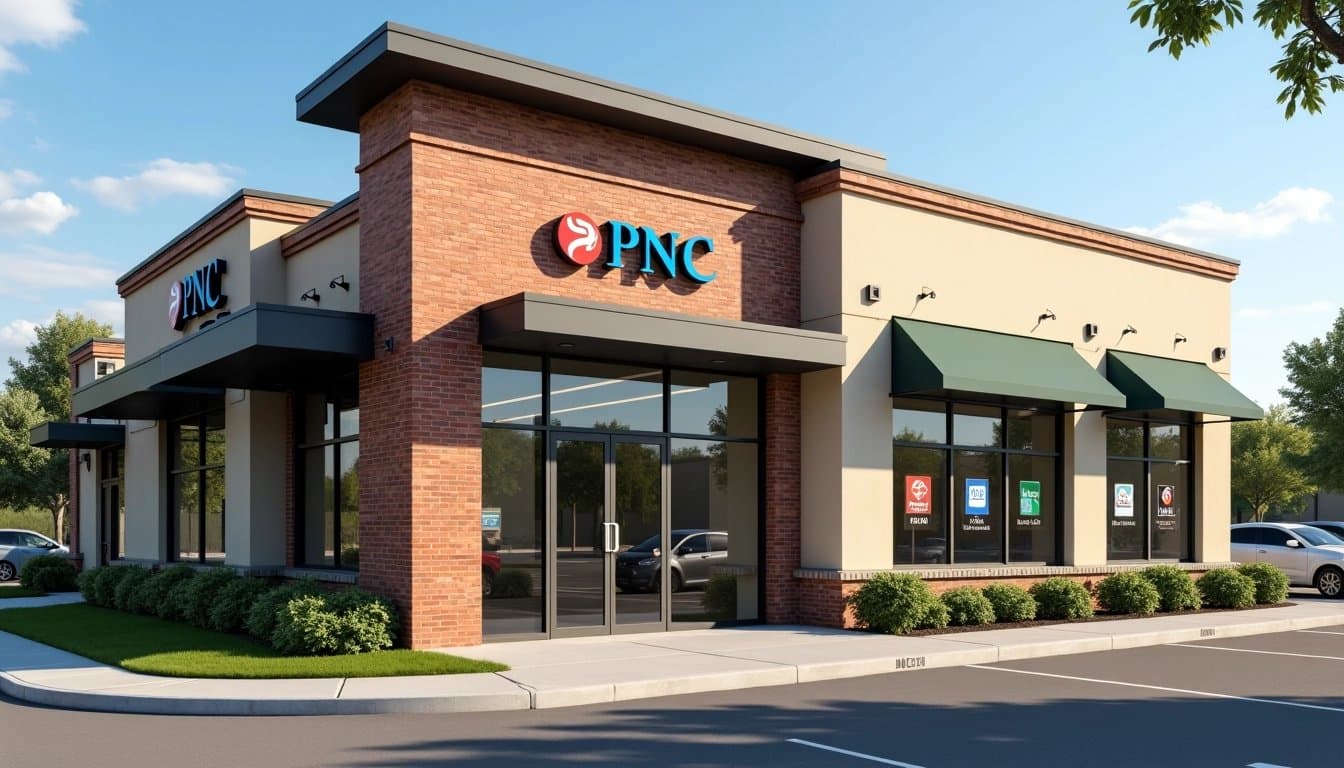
{"x": 263, "y": 346}
{"x": 939, "y": 360}
{"x": 535, "y": 323}
{"x": 1160, "y": 387}
{"x": 70, "y": 434}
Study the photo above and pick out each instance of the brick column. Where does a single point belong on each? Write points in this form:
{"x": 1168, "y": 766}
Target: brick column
{"x": 783, "y": 504}
{"x": 72, "y": 507}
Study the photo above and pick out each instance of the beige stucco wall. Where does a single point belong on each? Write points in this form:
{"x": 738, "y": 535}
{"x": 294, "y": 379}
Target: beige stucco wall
{"x": 319, "y": 264}
{"x": 254, "y": 478}
{"x": 992, "y": 279}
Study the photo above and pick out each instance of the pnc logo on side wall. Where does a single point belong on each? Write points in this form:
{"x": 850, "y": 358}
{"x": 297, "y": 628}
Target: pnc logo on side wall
{"x": 580, "y": 240}
{"x": 197, "y": 293}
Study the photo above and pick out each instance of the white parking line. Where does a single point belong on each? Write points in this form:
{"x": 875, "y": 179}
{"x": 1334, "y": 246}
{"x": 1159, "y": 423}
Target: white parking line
{"x": 859, "y": 755}
{"x": 1265, "y": 765}
{"x": 1319, "y": 632}
{"x": 1206, "y": 694}
{"x": 1252, "y": 650}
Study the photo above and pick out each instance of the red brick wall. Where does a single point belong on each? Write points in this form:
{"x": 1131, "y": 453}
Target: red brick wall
{"x": 783, "y": 504}
{"x": 72, "y": 507}
{"x": 457, "y": 195}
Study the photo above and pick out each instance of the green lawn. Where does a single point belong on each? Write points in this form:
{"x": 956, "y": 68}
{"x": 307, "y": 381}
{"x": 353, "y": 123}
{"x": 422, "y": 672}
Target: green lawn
{"x": 156, "y": 647}
{"x": 19, "y": 592}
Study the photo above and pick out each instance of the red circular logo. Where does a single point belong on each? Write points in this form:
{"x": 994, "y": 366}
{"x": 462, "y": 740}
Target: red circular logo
{"x": 578, "y": 238}
{"x": 1168, "y": 496}
{"x": 919, "y": 490}
{"x": 175, "y": 306}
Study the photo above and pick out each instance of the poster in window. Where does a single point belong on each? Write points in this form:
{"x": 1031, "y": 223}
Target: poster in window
{"x": 1123, "y": 511}
{"x": 1028, "y": 504}
{"x": 918, "y": 501}
{"x": 976, "y": 517}
{"x": 1166, "y": 508}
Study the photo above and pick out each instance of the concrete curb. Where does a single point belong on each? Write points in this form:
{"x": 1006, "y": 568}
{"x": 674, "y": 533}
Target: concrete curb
{"x": 491, "y": 692}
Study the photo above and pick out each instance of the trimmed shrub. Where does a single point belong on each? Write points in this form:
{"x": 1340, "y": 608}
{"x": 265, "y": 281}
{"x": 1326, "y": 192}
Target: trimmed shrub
{"x": 1010, "y": 602}
{"x": 1271, "y": 583}
{"x": 152, "y": 595}
{"x": 967, "y": 606}
{"x": 201, "y": 592}
{"x": 178, "y": 600}
{"x": 512, "y": 582}
{"x": 63, "y": 576}
{"x": 352, "y": 621}
{"x": 234, "y": 601}
{"x": 266, "y": 608}
{"x": 1226, "y": 588}
{"x": 1061, "y": 598}
{"x": 87, "y": 578}
{"x": 124, "y": 595}
{"x": 1175, "y": 589}
{"x": 720, "y": 597}
{"x": 105, "y": 584}
{"x": 896, "y": 603}
{"x": 1128, "y": 592}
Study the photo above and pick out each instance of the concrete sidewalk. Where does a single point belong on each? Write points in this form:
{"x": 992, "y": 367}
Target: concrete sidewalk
{"x": 562, "y": 673}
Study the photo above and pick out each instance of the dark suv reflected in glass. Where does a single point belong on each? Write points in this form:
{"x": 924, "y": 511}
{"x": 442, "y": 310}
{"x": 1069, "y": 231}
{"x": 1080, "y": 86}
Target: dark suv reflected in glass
{"x": 695, "y": 551}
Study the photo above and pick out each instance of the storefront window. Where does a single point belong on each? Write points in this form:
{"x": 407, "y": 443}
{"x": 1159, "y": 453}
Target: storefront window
{"x": 112, "y": 539}
{"x": 988, "y": 495}
{"x": 713, "y": 404}
{"x": 615, "y": 398}
{"x": 197, "y": 485}
{"x": 328, "y": 482}
{"x": 513, "y": 531}
{"x": 1149, "y": 475}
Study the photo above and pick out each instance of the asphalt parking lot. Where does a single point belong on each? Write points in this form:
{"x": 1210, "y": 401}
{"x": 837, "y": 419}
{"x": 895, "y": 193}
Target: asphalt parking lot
{"x": 1268, "y": 700}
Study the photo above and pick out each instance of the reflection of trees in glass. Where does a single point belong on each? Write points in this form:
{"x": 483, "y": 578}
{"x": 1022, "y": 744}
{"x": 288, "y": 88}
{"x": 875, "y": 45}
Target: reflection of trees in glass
{"x": 1124, "y": 439}
{"x": 718, "y": 425}
{"x": 350, "y": 511}
{"x": 639, "y": 481}
{"x": 506, "y": 463}
{"x": 915, "y": 461}
{"x": 1166, "y": 444}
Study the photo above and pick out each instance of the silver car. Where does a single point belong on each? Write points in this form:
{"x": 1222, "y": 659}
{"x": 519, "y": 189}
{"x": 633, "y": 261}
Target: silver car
{"x": 1309, "y": 556}
{"x": 18, "y": 547}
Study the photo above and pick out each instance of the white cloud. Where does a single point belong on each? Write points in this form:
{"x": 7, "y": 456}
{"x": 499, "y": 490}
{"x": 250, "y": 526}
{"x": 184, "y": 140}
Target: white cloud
{"x": 12, "y": 181}
{"x": 1205, "y": 221}
{"x": 161, "y": 178}
{"x": 15, "y": 336}
{"x": 44, "y": 268}
{"x": 110, "y": 311}
{"x": 40, "y": 212}
{"x": 46, "y": 23}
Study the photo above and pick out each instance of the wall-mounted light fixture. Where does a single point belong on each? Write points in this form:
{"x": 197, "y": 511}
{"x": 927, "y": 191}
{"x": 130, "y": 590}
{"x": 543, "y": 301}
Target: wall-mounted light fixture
{"x": 925, "y": 292}
{"x": 311, "y": 295}
{"x": 1048, "y": 314}
{"x": 1180, "y": 339}
{"x": 1219, "y": 353}
{"x": 339, "y": 282}
{"x": 389, "y": 344}
{"x": 872, "y": 293}
{"x": 86, "y": 458}
{"x": 1128, "y": 330}
{"x": 1090, "y": 331}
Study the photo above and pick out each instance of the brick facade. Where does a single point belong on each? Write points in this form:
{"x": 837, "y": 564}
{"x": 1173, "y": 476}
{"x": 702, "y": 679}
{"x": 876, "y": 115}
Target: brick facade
{"x": 783, "y": 497}
{"x": 458, "y": 194}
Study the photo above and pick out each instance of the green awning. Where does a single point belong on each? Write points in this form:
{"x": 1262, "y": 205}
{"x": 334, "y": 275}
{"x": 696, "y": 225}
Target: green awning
{"x": 951, "y": 361}
{"x": 1159, "y": 385}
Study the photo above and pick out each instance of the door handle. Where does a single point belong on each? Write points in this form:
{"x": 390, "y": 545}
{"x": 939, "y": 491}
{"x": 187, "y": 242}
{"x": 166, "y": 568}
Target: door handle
{"x": 1261, "y": 551}
{"x": 611, "y": 537}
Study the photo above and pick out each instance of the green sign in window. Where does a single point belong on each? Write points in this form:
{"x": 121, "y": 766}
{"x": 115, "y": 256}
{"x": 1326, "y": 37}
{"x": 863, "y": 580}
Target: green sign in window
{"x": 1029, "y": 496}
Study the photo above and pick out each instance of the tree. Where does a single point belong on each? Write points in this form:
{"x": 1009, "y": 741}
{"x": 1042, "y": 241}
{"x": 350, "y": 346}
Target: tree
{"x": 1314, "y": 30}
{"x": 1267, "y": 461}
{"x": 46, "y": 372}
{"x": 1316, "y": 396}
{"x": 30, "y": 476}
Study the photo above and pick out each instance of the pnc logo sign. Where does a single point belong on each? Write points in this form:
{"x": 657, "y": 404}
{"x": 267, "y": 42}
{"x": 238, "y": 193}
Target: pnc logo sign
{"x": 197, "y": 293}
{"x": 580, "y": 240}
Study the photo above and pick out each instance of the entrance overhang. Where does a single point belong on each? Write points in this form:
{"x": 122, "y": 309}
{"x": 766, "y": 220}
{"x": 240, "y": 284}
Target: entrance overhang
{"x": 268, "y": 347}
{"x": 75, "y": 435}
{"x": 536, "y": 323}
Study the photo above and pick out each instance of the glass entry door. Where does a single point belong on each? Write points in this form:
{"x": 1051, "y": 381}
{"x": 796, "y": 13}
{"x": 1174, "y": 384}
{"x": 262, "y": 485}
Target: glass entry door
{"x": 607, "y": 520}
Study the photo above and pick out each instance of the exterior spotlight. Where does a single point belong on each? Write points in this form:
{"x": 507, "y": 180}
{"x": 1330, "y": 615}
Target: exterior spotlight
{"x": 339, "y": 282}
{"x": 390, "y": 343}
{"x": 1180, "y": 339}
{"x": 1128, "y": 330}
{"x": 1090, "y": 331}
{"x": 311, "y": 295}
{"x": 1046, "y": 315}
{"x": 1219, "y": 353}
{"x": 926, "y": 292}
{"x": 86, "y": 459}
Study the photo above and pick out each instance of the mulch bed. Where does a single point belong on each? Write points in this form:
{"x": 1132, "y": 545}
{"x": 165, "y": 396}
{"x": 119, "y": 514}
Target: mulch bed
{"x": 1100, "y": 616}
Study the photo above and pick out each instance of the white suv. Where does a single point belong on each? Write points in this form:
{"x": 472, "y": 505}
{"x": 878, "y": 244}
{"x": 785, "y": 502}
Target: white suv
{"x": 1309, "y": 556}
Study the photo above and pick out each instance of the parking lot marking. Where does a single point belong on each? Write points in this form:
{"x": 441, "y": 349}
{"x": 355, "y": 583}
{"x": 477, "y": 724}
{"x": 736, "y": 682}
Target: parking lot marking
{"x": 1319, "y": 632}
{"x": 859, "y": 755}
{"x": 1265, "y": 765}
{"x": 1208, "y": 694}
{"x": 1253, "y": 650}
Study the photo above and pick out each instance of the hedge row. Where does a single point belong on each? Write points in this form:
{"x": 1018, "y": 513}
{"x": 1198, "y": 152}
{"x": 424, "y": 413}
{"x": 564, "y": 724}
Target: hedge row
{"x": 296, "y": 618}
{"x": 896, "y": 603}
{"x": 49, "y": 573}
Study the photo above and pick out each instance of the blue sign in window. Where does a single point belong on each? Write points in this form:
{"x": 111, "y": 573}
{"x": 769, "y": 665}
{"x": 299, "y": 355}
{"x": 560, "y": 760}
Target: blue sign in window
{"x": 977, "y": 496}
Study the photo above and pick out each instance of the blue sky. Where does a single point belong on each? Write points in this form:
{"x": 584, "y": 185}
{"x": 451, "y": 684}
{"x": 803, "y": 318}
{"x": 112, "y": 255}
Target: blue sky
{"x": 123, "y": 122}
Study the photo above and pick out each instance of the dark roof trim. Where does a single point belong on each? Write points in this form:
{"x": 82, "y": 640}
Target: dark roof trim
{"x": 260, "y": 194}
{"x": 954, "y": 192}
{"x": 395, "y": 54}
{"x": 530, "y": 322}
{"x": 67, "y": 434}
